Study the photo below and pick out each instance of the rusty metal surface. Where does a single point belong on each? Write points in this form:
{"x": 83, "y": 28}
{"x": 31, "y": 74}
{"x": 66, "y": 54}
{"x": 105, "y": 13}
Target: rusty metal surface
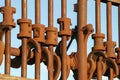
{"x": 40, "y": 44}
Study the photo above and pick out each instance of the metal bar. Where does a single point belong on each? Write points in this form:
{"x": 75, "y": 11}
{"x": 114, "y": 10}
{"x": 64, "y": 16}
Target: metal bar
{"x": 63, "y": 5}
{"x": 99, "y": 69}
{"x": 111, "y": 74}
{"x": 109, "y": 21}
{"x": 7, "y": 51}
{"x": 50, "y": 13}
{"x": 98, "y": 26}
{"x": 24, "y": 58}
{"x": 24, "y": 43}
{"x": 64, "y": 56}
{"x": 81, "y": 51}
{"x": 7, "y": 2}
{"x": 7, "y": 44}
{"x": 37, "y": 11}
{"x": 37, "y": 56}
{"x": 37, "y": 66}
{"x": 64, "y": 44}
{"x": 51, "y": 70}
{"x": 24, "y": 8}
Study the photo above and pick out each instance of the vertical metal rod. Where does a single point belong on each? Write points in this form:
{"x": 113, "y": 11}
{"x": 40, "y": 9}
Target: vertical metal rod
{"x": 24, "y": 58}
{"x": 24, "y": 8}
{"x": 98, "y": 26}
{"x": 50, "y": 47}
{"x": 24, "y": 42}
{"x": 7, "y": 51}
{"x": 64, "y": 56}
{"x": 109, "y": 21}
{"x": 7, "y": 44}
{"x": 37, "y": 65}
{"x": 50, "y": 13}
{"x": 81, "y": 51}
{"x": 99, "y": 69}
{"x": 50, "y": 72}
{"x": 119, "y": 25}
{"x": 109, "y": 30}
{"x": 111, "y": 74}
{"x": 64, "y": 44}
{"x": 37, "y": 11}
{"x": 7, "y": 2}
{"x": 64, "y": 7}
{"x": 37, "y": 56}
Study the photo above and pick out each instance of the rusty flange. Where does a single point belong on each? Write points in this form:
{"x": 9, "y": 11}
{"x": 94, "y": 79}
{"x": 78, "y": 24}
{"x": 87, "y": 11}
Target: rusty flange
{"x": 38, "y": 32}
{"x": 25, "y": 28}
{"x": 64, "y": 26}
{"x": 51, "y": 36}
{"x": 8, "y": 21}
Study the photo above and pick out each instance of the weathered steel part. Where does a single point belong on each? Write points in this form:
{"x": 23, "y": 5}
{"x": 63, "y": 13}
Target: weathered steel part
{"x": 25, "y": 33}
{"x": 8, "y": 21}
{"x": 99, "y": 68}
{"x": 87, "y": 30}
{"x": 25, "y": 28}
{"x": 57, "y": 66}
{"x": 109, "y": 44}
{"x": 38, "y": 32}
{"x": 7, "y": 51}
{"x": 98, "y": 36}
{"x": 114, "y": 2}
{"x": 93, "y": 58}
{"x": 64, "y": 26}
{"x": 51, "y": 36}
{"x": 81, "y": 51}
{"x": 7, "y": 24}
{"x": 111, "y": 65}
{"x": 2, "y": 46}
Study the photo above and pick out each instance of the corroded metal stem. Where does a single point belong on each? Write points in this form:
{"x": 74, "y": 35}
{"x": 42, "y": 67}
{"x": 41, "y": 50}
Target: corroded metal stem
{"x": 81, "y": 51}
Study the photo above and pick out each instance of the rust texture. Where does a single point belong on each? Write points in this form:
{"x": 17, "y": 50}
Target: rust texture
{"x": 40, "y": 44}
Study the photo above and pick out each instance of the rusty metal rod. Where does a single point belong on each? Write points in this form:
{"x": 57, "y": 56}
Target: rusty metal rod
{"x": 7, "y": 44}
{"x": 50, "y": 13}
{"x": 64, "y": 56}
{"x": 109, "y": 21}
{"x": 37, "y": 11}
{"x": 81, "y": 51}
{"x": 37, "y": 66}
{"x": 24, "y": 43}
{"x": 51, "y": 69}
{"x": 24, "y": 58}
{"x": 7, "y": 51}
{"x": 98, "y": 26}
{"x": 99, "y": 69}
{"x": 111, "y": 74}
{"x": 64, "y": 44}
{"x": 63, "y": 5}
{"x": 24, "y": 8}
{"x": 7, "y": 2}
{"x": 37, "y": 56}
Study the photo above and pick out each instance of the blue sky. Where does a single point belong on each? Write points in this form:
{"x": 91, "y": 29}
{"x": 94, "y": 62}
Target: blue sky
{"x": 57, "y": 14}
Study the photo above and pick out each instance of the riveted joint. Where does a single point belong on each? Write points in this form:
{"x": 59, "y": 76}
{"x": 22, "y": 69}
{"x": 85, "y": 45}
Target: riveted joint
{"x": 51, "y": 36}
{"x": 64, "y": 26}
{"x": 8, "y": 21}
{"x": 98, "y": 39}
{"x": 25, "y": 28}
{"x": 110, "y": 49}
{"x": 38, "y": 32}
